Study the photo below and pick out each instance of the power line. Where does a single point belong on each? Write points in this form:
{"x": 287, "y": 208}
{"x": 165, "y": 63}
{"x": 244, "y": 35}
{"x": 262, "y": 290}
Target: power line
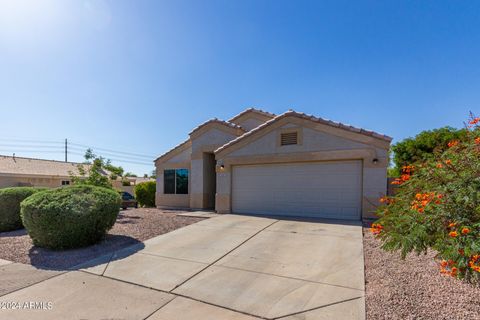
{"x": 28, "y": 146}
{"x": 108, "y": 154}
{"x": 114, "y": 151}
{"x": 120, "y": 160}
{"x": 31, "y": 140}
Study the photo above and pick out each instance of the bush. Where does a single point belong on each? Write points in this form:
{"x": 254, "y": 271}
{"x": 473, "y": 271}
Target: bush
{"x": 70, "y": 217}
{"x": 423, "y": 146}
{"x": 10, "y": 199}
{"x": 437, "y": 206}
{"x": 145, "y": 193}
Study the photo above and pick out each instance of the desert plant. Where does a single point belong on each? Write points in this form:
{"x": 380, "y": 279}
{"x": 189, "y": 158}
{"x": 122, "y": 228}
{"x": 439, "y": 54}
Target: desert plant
{"x": 437, "y": 206}
{"x": 423, "y": 147}
{"x": 70, "y": 217}
{"x": 10, "y": 199}
{"x": 145, "y": 193}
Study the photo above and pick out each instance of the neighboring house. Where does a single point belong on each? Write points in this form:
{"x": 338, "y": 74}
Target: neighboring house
{"x": 290, "y": 164}
{"x": 118, "y": 184}
{"x": 19, "y": 171}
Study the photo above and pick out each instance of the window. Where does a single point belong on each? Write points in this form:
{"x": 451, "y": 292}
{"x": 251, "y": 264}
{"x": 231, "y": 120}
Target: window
{"x": 65, "y": 182}
{"x": 288, "y": 138}
{"x": 175, "y": 181}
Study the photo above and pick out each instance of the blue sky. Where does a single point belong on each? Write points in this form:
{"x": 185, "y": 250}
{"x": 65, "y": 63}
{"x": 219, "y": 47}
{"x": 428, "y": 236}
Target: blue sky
{"x": 137, "y": 76}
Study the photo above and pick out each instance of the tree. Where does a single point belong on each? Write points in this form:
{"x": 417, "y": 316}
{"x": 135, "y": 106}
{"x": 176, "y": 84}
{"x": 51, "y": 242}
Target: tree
{"x": 96, "y": 173}
{"x": 423, "y": 146}
{"x": 129, "y": 174}
{"x": 437, "y": 206}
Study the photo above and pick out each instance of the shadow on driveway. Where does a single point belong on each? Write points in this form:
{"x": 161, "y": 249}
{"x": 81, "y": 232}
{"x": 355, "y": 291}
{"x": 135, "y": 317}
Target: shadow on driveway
{"x": 66, "y": 260}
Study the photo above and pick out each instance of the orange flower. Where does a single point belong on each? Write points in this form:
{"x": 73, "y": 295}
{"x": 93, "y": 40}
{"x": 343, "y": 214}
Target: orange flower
{"x": 376, "y": 228}
{"x": 448, "y": 161}
{"x": 474, "y": 120}
{"x": 396, "y": 181}
{"x": 454, "y": 271}
{"x": 439, "y": 165}
{"x": 452, "y": 224}
{"x": 465, "y": 230}
{"x": 477, "y": 140}
{"x": 452, "y": 143}
{"x": 386, "y": 200}
{"x": 453, "y": 234}
{"x": 461, "y": 252}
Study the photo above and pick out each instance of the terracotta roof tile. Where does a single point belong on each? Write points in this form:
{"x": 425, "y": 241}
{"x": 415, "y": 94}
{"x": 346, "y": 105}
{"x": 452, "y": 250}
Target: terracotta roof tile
{"x": 31, "y": 166}
{"x": 173, "y": 149}
{"x": 215, "y": 120}
{"x": 308, "y": 117}
{"x": 265, "y": 113}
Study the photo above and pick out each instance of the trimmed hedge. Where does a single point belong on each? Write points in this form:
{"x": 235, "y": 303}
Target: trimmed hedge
{"x": 10, "y": 199}
{"x": 70, "y": 217}
{"x": 145, "y": 193}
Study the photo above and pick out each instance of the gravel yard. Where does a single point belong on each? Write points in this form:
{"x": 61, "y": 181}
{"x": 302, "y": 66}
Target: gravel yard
{"x": 414, "y": 288}
{"x": 132, "y": 226}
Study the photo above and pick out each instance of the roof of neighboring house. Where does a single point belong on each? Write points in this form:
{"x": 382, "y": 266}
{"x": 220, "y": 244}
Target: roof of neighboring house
{"x": 138, "y": 180}
{"x": 308, "y": 117}
{"x": 215, "y": 120}
{"x": 249, "y": 110}
{"x": 31, "y": 166}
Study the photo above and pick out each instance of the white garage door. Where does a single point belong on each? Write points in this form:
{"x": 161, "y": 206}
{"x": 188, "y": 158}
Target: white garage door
{"x": 313, "y": 189}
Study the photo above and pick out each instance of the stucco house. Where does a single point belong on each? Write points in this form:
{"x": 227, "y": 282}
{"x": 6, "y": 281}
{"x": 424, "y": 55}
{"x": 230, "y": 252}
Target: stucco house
{"x": 265, "y": 164}
{"x": 20, "y": 171}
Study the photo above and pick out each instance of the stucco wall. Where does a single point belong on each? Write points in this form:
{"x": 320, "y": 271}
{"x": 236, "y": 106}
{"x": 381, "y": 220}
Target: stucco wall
{"x": 205, "y": 143}
{"x": 315, "y": 145}
{"x": 249, "y": 124}
{"x": 179, "y": 161}
{"x": 16, "y": 181}
{"x": 312, "y": 141}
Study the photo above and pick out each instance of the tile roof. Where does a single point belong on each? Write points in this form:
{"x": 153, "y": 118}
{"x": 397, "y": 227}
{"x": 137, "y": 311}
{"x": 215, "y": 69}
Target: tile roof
{"x": 173, "y": 149}
{"x": 215, "y": 120}
{"x": 262, "y": 112}
{"x": 31, "y": 166}
{"x": 308, "y": 117}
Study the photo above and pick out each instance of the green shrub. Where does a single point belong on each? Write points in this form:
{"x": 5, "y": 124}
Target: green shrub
{"x": 437, "y": 206}
{"x": 70, "y": 217}
{"x": 10, "y": 199}
{"x": 145, "y": 193}
{"x": 423, "y": 147}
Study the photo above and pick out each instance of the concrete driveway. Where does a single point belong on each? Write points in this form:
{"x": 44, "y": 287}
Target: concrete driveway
{"x": 228, "y": 267}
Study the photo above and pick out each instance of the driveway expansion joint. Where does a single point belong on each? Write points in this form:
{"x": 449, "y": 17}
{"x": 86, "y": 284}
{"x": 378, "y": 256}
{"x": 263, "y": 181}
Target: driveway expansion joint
{"x": 286, "y": 277}
{"x": 224, "y": 255}
{"x": 316, "y": 308}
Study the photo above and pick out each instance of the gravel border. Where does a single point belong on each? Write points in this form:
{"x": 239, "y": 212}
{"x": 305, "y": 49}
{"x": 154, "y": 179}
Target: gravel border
{"x": 414, "y": 288}
{"x": 132, "y": 226}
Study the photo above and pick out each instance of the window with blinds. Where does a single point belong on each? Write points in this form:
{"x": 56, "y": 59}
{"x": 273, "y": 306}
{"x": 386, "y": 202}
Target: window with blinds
{"x": 288, "y": 138}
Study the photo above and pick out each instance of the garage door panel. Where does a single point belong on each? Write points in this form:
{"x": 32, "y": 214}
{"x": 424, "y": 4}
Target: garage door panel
{"x": 317, "y": 189}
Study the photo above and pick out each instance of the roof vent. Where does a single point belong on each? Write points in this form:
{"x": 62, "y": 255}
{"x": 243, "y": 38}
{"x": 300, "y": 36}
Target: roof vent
{"x": 288, "y": 138}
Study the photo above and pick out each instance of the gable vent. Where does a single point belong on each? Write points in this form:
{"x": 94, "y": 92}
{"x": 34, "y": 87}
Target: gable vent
{"x": 289, "y": 138}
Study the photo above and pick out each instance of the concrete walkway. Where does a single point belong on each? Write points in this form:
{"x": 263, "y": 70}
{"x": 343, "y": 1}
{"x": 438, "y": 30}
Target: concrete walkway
{"x": 227, "y": 267}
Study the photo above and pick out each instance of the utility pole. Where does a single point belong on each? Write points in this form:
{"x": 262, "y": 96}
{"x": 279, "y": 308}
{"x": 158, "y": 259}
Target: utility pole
{"x": 66, "y": 150}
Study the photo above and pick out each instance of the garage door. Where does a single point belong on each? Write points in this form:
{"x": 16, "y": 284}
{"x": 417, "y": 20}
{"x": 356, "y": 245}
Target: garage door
{"x": 314, "y": 189}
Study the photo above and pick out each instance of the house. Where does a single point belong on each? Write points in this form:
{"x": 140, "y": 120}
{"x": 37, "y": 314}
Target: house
{"x": 19, "y": 171}
{"x": 265, "y": 164}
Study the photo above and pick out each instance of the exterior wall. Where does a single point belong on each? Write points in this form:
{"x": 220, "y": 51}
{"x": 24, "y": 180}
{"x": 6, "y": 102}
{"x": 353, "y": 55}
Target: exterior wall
{"x": 314, "y": 145}
{"x": 179, "y": 161}
{"x": 201, "y": 173}
{"x": 33, "y": 181}
{"x": 249, "y": 124}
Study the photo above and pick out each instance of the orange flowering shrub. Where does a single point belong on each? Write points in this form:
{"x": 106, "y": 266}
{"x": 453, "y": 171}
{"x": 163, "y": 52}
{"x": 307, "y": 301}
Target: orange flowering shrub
{"x": 437, "y": 206}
